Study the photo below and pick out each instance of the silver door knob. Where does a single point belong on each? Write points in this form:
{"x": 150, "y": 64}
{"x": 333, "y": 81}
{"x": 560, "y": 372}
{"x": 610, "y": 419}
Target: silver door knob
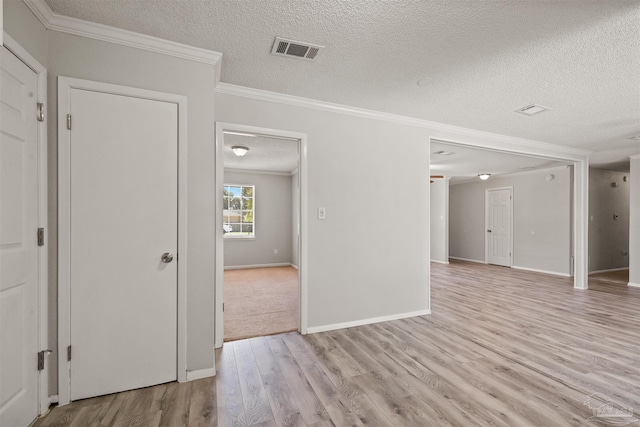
{"x": 167, "y": 257}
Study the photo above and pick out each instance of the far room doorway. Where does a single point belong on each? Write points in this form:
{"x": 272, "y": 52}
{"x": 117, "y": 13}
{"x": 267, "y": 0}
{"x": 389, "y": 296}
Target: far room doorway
{"x": 546, "y": 210}
{"x": 260, "y": 234}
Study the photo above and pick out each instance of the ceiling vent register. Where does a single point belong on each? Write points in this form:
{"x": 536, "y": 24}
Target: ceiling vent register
{"x": 294, "y": 49}
{"x": 532, "y": 110}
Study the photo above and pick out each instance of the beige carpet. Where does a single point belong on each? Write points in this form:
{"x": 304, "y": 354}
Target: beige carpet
{"x": 260, "y": 301}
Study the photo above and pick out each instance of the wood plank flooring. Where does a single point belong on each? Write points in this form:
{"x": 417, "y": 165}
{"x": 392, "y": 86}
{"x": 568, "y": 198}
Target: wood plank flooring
{"x": 502, "y": 348}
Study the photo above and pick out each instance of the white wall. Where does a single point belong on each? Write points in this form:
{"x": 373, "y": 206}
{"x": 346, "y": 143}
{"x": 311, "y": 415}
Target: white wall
{"x": 21, "y": 24}
{"x": 440, "y": 220}
{"x": 541, "y": 220}
{"x": 360, "y": 266}
{"x": 608, "y": 237}
{"x": 80, "y": 57}
{"x": 85, "y": 58}
{"x": 634, "y": 223}
{"x": 273, "y": 211}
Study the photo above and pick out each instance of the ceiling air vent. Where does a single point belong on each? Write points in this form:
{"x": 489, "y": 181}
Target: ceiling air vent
{"x": 294, "y": 49}
{"x": 533, "y": 109}
{"x": 443, "y": 153}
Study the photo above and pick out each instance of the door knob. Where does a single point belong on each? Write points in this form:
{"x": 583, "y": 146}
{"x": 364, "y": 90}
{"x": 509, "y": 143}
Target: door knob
{"x": 488, "y": 231}
{"x": 167, "y": 257}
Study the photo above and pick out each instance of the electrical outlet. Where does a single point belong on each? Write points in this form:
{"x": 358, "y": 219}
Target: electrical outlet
{"x": 322, "y": 213}
{"x": 275, "y": 252}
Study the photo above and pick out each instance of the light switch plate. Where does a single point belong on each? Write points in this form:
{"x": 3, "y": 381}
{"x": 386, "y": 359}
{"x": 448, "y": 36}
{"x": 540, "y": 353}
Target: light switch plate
{"x": 322, "y": 213}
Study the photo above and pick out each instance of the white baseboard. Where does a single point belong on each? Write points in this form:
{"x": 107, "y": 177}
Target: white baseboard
{"x": 535, "y": 270}
{"x": 242, "y": 267}
{"x": 201, "y": 373}
{"x": 53, "y": 399}
{"x": 466, "y": 259}
{"x": 324, "y": 328}
{"x": 608, "y": 270}
{"x": 439, "y": 262}
{"x": 295, "y": 266}
{"x": 633, "y": 285}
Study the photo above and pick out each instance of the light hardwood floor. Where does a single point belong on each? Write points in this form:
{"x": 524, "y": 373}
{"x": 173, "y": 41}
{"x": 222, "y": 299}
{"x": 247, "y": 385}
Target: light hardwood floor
{"x": 502, "y": 348}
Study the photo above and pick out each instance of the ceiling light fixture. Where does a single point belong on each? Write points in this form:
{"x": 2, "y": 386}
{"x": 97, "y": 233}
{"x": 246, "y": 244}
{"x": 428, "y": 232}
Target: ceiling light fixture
{"x": 532, "y": 110}
{"x": 484, "y": 176}
{"x": 239, "y": 151}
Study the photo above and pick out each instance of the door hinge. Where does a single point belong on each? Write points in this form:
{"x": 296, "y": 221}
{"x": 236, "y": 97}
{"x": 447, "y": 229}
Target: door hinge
{"x": 69, "y": 121}
{"x": 40, "y": 112}
{"x": 223, "y": 307}
{"x": 69, "y": 353}
{"x": 41, "y": 355}
{"x": 40, "y": 236}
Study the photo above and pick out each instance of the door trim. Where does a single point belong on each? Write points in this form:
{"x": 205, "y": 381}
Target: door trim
{"x": 65, "y": 84}
{"x": 486, "y": 223}
{"x": 221, "y": 127}
{"x": 43, "y": 253}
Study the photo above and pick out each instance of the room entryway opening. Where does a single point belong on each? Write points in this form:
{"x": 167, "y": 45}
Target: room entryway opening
{"x": 258, "y": 283}
{"x": 609, "y": 218}
{"x": 506, "y": 207}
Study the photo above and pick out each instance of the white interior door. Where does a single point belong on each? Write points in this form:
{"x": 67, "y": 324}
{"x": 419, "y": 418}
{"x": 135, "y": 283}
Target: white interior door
{"x": 499, "y": 219}
{"x": 124, "y": 217}
{"x": 18, "y": 243}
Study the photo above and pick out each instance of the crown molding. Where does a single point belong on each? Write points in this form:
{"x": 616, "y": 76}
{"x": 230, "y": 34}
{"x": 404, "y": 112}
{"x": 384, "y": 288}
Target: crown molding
{"x": 502, "y": 141}
{"x": 79, "y": 27}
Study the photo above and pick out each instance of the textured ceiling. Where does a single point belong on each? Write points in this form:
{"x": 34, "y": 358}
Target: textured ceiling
{"x": 487, "y": 58}
{"x": 265, "y": 154}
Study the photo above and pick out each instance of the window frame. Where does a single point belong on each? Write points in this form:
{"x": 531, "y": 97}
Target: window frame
{"x": 252, "y": 236}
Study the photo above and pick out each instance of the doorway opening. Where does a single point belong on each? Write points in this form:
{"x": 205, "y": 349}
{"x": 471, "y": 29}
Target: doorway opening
{"x": 259, "y": 278}
{"x": 545, "y": 211}
{"x": 609, "y": 217}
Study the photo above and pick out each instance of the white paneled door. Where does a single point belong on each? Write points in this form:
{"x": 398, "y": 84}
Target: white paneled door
{"x": 18, "y": 242}
{"x": 123, "y": 242}
{"x": 499, "y": 218}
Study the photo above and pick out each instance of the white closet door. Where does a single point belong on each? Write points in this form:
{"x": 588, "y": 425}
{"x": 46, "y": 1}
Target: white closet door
{"x": 123, "y": 205}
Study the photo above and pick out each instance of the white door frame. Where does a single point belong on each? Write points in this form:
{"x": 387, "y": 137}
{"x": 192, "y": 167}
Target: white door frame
{"x": 221, "y": 127}
{"x": 487, "y": 225}
{"x": 43, "y": 253}
{"x": 580, "y": 161}
{"x": 65, "y": 84}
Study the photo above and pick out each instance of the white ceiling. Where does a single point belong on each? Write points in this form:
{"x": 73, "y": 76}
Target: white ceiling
{"x": 466, "y": 163}
{"x": 265, "y": 153}
{"x": 487, "y": 58}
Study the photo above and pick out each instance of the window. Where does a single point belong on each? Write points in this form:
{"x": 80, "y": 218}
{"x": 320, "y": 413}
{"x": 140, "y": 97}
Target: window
{"x": 238, "y": 211}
